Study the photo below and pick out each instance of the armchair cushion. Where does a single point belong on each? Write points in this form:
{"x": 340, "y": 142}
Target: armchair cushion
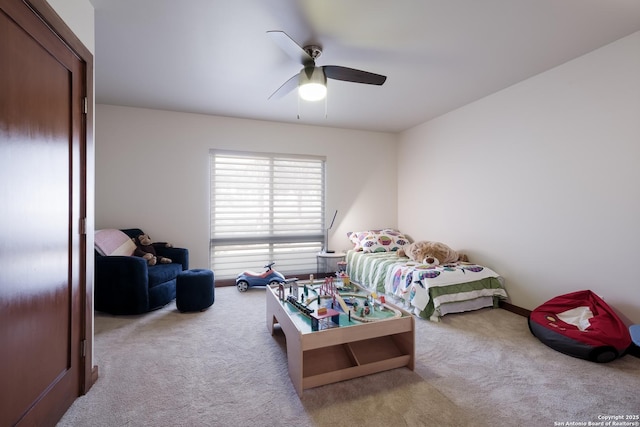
{"x": 161, "y": 273}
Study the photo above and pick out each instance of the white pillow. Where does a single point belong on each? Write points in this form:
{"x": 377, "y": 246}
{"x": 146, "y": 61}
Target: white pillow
{"x": 384, "y": 240}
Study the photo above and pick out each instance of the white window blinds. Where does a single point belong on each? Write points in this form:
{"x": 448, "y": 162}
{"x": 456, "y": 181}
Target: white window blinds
{"x": 265, "y": 207}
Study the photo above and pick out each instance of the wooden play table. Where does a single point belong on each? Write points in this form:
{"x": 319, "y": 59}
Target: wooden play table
{"x": 343, "y": 351}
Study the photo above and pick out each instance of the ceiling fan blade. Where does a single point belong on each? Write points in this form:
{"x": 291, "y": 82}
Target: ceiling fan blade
{"x": 290, "y": 47}
{"x": 352, "y": 75}
{"x": 287, "y": 87}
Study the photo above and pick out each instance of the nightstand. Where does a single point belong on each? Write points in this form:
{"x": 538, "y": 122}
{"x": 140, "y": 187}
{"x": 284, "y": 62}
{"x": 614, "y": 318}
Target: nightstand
{"x": 327, "y": 262}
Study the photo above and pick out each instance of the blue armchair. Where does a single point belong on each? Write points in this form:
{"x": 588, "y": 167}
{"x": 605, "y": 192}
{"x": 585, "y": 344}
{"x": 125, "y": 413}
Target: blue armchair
{"x": 127, "y": 285}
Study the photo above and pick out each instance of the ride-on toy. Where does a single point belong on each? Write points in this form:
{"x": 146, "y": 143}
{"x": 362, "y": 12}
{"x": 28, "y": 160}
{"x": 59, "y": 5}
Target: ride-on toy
{"x": 249, "y": 279}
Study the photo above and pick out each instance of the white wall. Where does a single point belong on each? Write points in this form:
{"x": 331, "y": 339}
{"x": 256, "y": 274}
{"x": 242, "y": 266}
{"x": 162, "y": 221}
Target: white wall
{"x": 539, "y": 181}
{"x": 79, "y": 16}
{"x": 152, "y": 171}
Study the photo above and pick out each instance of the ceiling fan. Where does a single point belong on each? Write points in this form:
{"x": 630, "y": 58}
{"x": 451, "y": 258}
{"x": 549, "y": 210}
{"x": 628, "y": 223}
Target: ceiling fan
{"x": 312, "y": 80}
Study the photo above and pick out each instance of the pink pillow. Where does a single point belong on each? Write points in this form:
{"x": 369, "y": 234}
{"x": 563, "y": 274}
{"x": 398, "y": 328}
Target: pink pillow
{"x": 114, "y": 242}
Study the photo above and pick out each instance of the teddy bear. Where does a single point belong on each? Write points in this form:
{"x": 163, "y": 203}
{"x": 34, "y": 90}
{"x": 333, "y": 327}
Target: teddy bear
{"x": 431, "y": 253}
{"x": 146, "y": 249}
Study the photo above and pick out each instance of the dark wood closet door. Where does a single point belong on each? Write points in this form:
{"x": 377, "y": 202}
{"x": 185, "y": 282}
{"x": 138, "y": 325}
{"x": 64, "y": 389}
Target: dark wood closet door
{"x": 41, "y": 121}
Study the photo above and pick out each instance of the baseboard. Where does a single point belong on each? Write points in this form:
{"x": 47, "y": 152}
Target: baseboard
{"x": 225, "y": 282}
{"x": 514, "y": 309}
{"x": 94, "y": 374}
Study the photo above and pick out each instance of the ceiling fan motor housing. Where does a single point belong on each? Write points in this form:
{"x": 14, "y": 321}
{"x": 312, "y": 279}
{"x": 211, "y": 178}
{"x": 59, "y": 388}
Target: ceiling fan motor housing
{"x": 313, "y": 51}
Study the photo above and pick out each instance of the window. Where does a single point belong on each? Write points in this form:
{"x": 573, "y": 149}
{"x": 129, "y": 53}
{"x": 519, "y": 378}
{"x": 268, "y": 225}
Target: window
{"x": 265, "y": 207}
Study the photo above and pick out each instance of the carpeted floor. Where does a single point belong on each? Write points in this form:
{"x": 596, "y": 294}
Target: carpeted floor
{"x": 221, "y": 367}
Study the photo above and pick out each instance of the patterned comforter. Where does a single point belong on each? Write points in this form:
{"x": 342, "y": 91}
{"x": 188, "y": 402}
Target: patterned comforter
{"x": 430, "y": 291}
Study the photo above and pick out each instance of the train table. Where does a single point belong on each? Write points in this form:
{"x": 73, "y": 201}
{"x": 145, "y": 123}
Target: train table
{"x": 335, "y": 334}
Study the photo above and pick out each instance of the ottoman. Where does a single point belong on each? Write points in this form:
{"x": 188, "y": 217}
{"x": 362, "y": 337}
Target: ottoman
{"x": 195, "y": 290}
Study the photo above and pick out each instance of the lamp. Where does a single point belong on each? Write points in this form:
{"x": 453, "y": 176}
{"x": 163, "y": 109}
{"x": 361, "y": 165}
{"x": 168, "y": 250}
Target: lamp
{"x": 312, "y": 84}
{"x": 326, "y": 235}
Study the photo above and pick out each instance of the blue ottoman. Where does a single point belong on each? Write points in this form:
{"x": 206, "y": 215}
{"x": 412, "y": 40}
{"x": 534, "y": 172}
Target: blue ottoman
{"x": 634, "y": 330}
{"x": 195, "y": 290}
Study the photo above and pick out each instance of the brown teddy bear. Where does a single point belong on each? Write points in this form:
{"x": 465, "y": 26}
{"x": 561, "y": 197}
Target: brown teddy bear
{"x": 146, "y": 249}
{"x": 431, "y": 253}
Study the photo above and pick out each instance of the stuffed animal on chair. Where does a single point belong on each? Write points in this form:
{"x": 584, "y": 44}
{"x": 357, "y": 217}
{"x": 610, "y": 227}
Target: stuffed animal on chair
{"x": 431, "y": 253}
{"x": 146, "y": 249}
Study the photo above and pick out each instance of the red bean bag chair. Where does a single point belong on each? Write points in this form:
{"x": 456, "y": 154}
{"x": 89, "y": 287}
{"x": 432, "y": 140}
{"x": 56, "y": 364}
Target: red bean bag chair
{"x": 581, "y": 324}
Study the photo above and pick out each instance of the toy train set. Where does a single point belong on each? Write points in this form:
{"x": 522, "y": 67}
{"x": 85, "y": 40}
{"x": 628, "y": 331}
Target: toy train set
{"x": 327, "y": 305}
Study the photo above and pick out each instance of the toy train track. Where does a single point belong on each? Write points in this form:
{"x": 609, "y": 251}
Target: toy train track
{"x": 298, "y": 305}
{"x": 365, "y": 319}
{"x": 347, "y": 309}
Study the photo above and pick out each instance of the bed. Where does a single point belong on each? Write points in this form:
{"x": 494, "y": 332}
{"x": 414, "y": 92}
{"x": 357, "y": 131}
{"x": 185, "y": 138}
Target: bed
{"x": 430, "y": 292}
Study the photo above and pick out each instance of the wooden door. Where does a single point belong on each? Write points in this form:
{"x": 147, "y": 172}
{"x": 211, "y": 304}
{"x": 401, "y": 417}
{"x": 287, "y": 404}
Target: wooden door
{"x": 42, "y": 263}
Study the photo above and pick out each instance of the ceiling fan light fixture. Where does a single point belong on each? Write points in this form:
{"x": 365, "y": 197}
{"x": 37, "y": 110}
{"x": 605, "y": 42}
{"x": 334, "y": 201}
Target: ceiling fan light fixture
{"x": 312, "y": 84}
{"x": 312, "y": 91}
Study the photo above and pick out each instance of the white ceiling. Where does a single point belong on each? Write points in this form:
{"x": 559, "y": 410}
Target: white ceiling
{"x": 214, "y": 57}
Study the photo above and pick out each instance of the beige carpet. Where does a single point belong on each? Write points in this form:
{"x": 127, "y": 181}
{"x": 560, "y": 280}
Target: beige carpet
{"x": 221, "y": 367}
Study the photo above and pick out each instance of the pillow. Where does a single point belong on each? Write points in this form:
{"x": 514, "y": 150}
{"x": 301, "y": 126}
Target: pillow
{"x": 356, "y": 238}
{"x": 113, "y": 242}
{"x": 385, "y": 240}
